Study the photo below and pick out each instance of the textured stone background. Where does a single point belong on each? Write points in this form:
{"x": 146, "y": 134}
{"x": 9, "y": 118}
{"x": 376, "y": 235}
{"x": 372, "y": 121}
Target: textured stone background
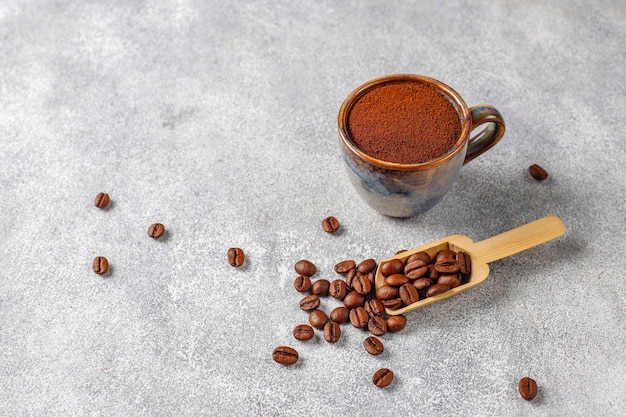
{"x": 218, "y": 119}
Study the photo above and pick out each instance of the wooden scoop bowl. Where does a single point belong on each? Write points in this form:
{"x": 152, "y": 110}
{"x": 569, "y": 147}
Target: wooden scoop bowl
{"x": 481, "y": 253}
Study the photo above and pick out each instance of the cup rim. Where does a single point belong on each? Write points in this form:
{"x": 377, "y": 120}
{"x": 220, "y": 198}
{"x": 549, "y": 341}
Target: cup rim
{"x": 349, "y": 101}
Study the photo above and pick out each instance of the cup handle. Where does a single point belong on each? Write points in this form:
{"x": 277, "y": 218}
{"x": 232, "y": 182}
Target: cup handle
{"x": 490, "y": 135}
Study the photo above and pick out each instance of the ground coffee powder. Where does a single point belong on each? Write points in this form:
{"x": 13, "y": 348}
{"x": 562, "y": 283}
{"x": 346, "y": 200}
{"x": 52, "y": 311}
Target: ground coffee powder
{"x": 404, "y": 122}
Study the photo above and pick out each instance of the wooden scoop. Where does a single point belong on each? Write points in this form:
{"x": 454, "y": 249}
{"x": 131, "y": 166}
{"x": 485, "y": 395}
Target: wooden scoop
{"x": 481, "y": 253}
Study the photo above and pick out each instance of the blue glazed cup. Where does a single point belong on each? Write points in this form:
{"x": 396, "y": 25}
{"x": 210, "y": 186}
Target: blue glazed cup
{"x": 406, "y": 190}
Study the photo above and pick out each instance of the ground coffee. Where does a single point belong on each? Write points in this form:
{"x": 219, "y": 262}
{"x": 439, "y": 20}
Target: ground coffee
{"x": 404, "y": 122}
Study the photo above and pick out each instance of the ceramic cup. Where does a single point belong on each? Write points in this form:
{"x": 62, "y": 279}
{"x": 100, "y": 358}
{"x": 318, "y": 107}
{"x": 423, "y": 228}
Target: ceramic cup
{"x": 406, "y": 190}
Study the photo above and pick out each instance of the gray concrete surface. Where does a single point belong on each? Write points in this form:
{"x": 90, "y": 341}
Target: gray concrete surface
{"x": 218, "y": 119}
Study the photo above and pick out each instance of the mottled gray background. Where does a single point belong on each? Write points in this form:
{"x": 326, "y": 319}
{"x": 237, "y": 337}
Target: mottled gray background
{"x": 218, "y": 119}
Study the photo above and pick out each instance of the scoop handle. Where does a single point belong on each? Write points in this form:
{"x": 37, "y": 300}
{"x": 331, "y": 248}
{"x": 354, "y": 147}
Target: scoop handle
{"x": 518, "y": 239}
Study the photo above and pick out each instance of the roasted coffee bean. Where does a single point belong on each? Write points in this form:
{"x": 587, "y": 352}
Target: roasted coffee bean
{"x": 350, "y": 278}
{"x": 374, "y": 307}
{"x": 359, "y": 317}
{"x": 366, "y": 266}
{"x": 344, "y": 267}
{"x": 386, "y": 292}
{"x": 419, "y": 256}
{"x": 332, "y": 332}
{"x": 353, "y": 299}
{"x": 362, "y": 284}
{"x": 330, "y": 224}
{"x": 320, "y": 287}
{"x": 373, "y": 346}
{"x": 303, "y": 332}
{"x": 156, "y": 230}
{"x": 382, "y": 377}
{"x": 302, "y": 283}
{"x": 415, "y": 269}
{"x": 370, "y": 277}
{"x": 285, "y": 355}
{"x": 465, "y": 263}
{"x": 304, "y": 267}
{"x": 396, "y": 323}
{"x": 338, "y": 289}
{"x": 432, "y": 273}
{"x": 447, "y": 266}
{"x": 538, "y": 172}
{"x": 394, "y": 266}
{"x": 310, "y": 302}
{"x": 100, "y": 265}
{"x": 318, "y": 319}
{"x": 445, "y": 254}
{"x": 396, "y": 280}
{"x": 527, "y": 388}
{"x": 340, "y": 314}
{"x": 393, "y": 304}
{"x": 422, "y": 283}
{"x": 236, "y": 257}
{"x": 400, "y": 251}
{"x": 377, "y": 325}
{"x": 436, "y": 289}
{"x": 102, "y": 200}
{"x": 452, "y": 280}
{"x": 409, "y": 294}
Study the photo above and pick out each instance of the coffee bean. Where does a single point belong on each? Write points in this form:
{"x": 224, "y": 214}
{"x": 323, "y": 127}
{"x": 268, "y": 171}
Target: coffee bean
{"x": 436, "y": 289}
{"x": 382, "y": 377}
{"x": 302, "y": 283}
{"x": 386, "y": 292}
{"x": 344, "y": 267}
{"x": 538, "y": 172}
{"x": 396, "y": 280}
{"x": 320, "y": 287}
{"x": 452, "y": 280}
{"x": 102, "y": 200}
{"x": 447, "y": 266}
{"x": 304, "y": 267}
{"x": 422, "y": 283}
{"x": 415, "y": 269}
{"x": 419, "y": 256}
{"x": 465, "y": 263}
{"x": 100, "y": 265}
{"x": 374, "y": 307}
{"x": 330, "y": 224}
{"x": 332, "y": 332}
{"x": 527, "y": 388}
{"x": 409, "y": 294}
{"x": 340, "y": 314}
{"x": 393, "y": 303}
{"x": 310, "y": 302}
{"x": 338, "y": 289}
{"x": 359, "y": 317}
{"x": 445, "y": 254}
{"x": 156, "y": 230}
{"x": 350, "y": 277}
{"x": 396, "y": 323}
{"x": 285, "y": 355}
{"x": 394, "y": 266}
{"x": 373, "y": 346}
{"x": 366, "y": 266}
{"x": 318, "y": 319}
{"x": 362, "y": 284}
{"x": 353, "y": 299}
{"x": 432, "y": 273}
{"x": 303, "y": 332}
{"x": 377, "y": 325}
{"x": 236, "y": 257}
{"x": 400, "y": 251}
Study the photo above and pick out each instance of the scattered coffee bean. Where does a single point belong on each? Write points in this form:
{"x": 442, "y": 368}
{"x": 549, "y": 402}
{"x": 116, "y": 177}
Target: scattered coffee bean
{"x": 338, "y": 289}
{"x": 285, "y": 355}
{"x": 527, "y": 388}
{"x": 395, "y": 266}
{"x": 330, "y": 224}
{"x": 332, "y": 332}
{"x": 303, "y": 332}
{"x": 377, "y": 325}
{"x": 310, "y": 302}
{"x": 366, "y": 266}
{"x": 373, "y": 346}
{"x": 359, "y": 317}
{"x": 102, "y": 200}
{"x": 340, "y": 314}
{"x": 344, "y": 267}
{"x": 374, "y": 307}
{"x": 302, "y": 283}
{"x": 318, "y": 319}
{"x": 538, "y": 172}
{"x": 156, "y": 230}
{"x": 353, "y": 299}
{"x": 304, "y": 267}
{"x": 396, "y": 323}
{"x": 100, "y": 265}
{"x": 236, "y": 257}
{"x": 382, "y": 377}
{"x": 362, "y": 284}
{"x": 320, "y": 287}
{"x": 350, "y": 275}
